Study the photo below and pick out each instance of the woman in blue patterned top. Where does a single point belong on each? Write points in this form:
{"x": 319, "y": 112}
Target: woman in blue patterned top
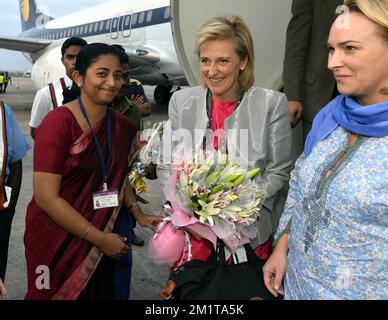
{"x": 332, "y": 240}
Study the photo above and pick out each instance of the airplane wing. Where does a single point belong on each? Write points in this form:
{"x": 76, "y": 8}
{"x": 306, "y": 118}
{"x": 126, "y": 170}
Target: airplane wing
{"x": 23, "y": 44}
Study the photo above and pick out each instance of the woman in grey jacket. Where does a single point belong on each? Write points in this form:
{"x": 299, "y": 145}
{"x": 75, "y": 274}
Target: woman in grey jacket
{"x": 249, "y": 122}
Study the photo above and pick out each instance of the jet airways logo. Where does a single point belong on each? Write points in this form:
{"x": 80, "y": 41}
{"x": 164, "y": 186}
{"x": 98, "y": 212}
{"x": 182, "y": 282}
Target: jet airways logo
{"x": 25, "y": 9}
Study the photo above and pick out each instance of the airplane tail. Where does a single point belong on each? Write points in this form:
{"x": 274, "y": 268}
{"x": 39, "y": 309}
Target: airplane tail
{"x": 31, "y": 16}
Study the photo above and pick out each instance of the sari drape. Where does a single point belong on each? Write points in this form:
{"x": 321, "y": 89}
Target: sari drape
{"x": 62, "y": 148}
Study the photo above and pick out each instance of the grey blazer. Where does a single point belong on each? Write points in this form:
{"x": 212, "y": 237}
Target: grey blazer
{"x": 306, "y": 77}
{"x": 263, "y": 142}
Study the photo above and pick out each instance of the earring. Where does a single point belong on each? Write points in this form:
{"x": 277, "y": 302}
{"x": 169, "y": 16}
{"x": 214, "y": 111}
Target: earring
{"x": 242, "y": 68}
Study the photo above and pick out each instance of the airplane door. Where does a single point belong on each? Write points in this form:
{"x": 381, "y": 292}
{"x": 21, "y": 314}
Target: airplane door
{"x": 126, "y": 26}
{"x": 267, "y": 21}
{"x": 115, "y": 27}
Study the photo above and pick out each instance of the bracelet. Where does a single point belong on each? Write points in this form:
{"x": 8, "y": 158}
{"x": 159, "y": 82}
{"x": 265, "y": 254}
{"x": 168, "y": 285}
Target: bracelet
{"x": 86, "y": 231}
{"x": 133, "y": 205}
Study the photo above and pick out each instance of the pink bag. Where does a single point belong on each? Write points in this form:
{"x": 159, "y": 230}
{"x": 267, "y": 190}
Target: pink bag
{"x": 167, "y": 245}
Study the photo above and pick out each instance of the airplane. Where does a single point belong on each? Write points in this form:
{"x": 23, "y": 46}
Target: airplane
{"x": 158, "y": 36}
{"x": 141, "y": 27}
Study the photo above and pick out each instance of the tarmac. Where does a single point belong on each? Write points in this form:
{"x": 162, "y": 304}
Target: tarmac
{"x": 147, "y": 278}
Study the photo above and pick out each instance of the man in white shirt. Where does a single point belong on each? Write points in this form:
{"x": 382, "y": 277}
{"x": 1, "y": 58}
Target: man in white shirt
{"x": 51, "y": 96}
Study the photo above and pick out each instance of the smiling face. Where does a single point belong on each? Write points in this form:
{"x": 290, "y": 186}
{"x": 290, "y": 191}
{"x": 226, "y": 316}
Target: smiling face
{"x": 358, "y": 58}
{"x": 102, "y": 80}
{"x": 220, "y": 68}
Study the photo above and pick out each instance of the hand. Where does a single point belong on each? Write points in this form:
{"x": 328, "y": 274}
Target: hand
{"x": 149, "y": 221}
{"x": 113, "y": 245}
{"x": 139, "y": 100}
{"x": 295, "y": 110}
{"x": 3, "y": 290}
{"x": 274, "y": 270}
{"x": 145, "y": 109}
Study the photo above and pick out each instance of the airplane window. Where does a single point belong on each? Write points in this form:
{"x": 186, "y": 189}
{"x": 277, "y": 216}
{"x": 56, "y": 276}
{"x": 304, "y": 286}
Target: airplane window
{"x": 167, "y": 13}
{"x": 101, "y": 25}
{"x": 134, "y": 19}
{"x": 96, "y": 27}
{"x": 127, "y": 20}
{"x": 141, "y": 17}
{"x": 107, "y": 26}
{"x": 149, "y": 16}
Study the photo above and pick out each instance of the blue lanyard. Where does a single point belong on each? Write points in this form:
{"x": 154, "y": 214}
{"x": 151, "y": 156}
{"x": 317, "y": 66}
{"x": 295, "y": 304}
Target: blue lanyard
{"x": 104, "y": 164}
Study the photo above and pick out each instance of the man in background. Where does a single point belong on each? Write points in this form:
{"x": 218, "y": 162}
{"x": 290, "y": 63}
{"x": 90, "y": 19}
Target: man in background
{"x": 308, "y": 83}
{"x": 131, "y": 109}
{"x": 51, "y": 96}
{"x": 2, "y": 79}
{"x": 135, "y": 92}
{"x": 7, "y": 79}
{"x": 14, "y": 148}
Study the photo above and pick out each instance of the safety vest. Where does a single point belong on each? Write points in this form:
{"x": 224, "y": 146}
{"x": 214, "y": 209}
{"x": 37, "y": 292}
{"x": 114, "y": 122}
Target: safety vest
{"x": 2, "y": 79}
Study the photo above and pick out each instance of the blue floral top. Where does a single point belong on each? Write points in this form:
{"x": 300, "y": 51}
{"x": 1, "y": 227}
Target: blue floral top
{"x": 337, "y": 213}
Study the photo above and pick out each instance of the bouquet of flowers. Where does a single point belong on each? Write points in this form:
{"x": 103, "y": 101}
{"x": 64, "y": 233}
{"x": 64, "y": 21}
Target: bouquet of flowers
{"x": 214, "y": 197}
{"x": 146, "y": 152}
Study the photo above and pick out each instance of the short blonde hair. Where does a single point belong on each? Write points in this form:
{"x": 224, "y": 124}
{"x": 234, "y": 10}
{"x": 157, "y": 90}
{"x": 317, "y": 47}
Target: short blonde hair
{"x": 374, "y": 10}
{"x": 233, "y": 27}
{"x": 377, "y": 12}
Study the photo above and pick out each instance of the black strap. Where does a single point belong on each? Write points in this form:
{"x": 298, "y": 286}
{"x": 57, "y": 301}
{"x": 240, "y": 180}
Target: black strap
{"x": 251, "y": 256}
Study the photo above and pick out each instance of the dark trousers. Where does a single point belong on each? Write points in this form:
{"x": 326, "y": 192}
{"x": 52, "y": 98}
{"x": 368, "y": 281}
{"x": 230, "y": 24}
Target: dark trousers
{"x": 112, "y": 278}
{"x": 5, "y": 87}
{"x": 123, "y": 269}
{"x": 5, "y": 232}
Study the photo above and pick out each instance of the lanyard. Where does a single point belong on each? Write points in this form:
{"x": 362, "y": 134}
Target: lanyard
{"x": 104, "y": 164}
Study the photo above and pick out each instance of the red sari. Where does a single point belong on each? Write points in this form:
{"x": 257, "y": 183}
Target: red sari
{"x": 62, "y": 148}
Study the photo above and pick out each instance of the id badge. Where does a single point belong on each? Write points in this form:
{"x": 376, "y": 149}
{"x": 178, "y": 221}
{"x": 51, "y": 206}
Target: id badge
{"x": 105, "y": 199}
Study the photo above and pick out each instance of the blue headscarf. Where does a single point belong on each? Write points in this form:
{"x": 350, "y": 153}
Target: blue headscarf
{"x": 346, "y": 112}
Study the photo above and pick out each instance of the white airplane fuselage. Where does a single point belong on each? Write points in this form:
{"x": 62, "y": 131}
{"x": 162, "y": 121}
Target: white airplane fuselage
{"x": 141, "y": 27}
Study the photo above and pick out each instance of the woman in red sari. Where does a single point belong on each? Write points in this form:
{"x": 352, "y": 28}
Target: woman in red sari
{"x": 80, "y": 163}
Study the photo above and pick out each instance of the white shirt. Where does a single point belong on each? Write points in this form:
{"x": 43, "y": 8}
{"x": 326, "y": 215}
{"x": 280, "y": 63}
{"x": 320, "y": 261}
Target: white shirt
{"x": 42, "y": 103}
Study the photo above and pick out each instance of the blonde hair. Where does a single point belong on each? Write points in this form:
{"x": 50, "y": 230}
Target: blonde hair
{"x": 377, "y": 12}
{"x": 233, "y": 27}
{"x": 374, "y": 10}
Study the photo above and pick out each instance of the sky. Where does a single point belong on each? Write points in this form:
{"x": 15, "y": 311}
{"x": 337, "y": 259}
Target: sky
{"x": 11, "y": 26}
